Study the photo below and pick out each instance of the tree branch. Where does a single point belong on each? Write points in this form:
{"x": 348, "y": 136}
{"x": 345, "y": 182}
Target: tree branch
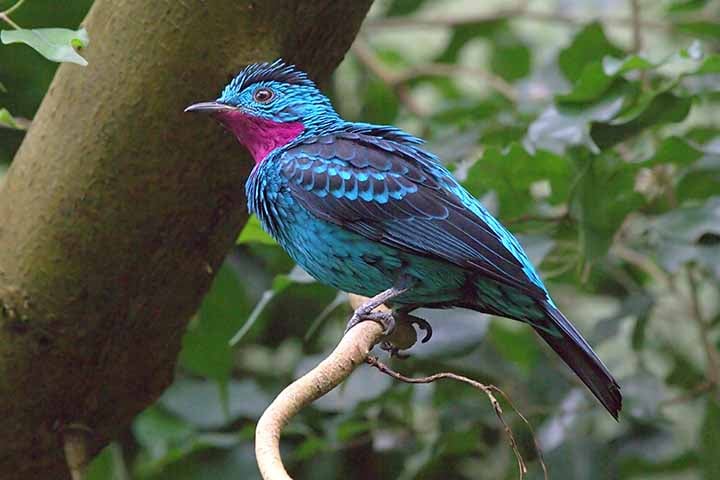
{"x": 95, "y": 293}
{"x": 354, "y": 349}
{"x": 348, "y": 355}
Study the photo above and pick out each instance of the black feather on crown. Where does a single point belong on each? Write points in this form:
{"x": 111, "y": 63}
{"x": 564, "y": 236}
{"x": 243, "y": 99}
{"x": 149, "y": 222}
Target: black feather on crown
{"x": 277, "y": 71}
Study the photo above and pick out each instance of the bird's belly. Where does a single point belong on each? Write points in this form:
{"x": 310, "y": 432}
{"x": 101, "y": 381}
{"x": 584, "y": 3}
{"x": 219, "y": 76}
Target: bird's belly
{"x": 355, "y": 264}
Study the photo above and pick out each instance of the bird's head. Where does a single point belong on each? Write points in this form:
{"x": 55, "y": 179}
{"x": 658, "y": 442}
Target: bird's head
{"x": 267, "y": 105}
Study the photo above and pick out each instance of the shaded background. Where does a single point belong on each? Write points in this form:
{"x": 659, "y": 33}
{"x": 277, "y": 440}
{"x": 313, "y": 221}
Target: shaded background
{"x": 607, "y": 166}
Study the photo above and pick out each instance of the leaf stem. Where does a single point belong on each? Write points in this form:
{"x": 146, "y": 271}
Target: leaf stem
{"x": 5, "y": 14}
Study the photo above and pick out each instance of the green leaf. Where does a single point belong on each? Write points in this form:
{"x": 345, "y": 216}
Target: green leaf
{"x": 463, "y": 34}
{"x": 205, "y": 344}
{"x": 563, "y": 126}
{"x": 591, "y": 84}
{"x": 56, "y": 44}
{"x": 710, "y": 440}
{"x": 510, "y": 57}
{"x": 517, "y": 345}
{"x": 253, "y": 232}
{"x": 200, "y": 402}
{"x": 604, "y": 196}
{"x": 589, "y": 45}
{"x": 654, "y": 110}
{"x": 689, "y": 233}
{"x": 7, "y": 120}
{"x": 157, "y": 431}
{"x": 710, "y": 29}
{"x": 403, "y": 7}
{"x": 511, "y": 174}
{"x": 682, "y": 6}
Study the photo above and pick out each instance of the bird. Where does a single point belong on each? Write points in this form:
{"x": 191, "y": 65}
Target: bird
{"x": 366, "y": 209}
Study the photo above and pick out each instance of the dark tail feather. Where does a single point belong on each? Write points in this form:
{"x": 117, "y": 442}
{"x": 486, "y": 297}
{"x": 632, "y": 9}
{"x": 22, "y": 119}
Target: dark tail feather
{"x": 577, "y": 354}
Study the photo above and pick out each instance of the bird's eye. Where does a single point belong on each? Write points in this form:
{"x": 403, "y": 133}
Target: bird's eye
{"x": 263, "y": 95}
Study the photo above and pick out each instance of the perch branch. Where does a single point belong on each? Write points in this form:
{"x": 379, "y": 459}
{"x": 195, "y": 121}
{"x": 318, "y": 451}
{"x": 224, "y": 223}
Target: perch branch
{"x": 350, "y": 352}
{"x": 354, "y": 349}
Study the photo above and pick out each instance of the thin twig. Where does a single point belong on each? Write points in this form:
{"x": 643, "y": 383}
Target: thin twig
{"x": 517, "y": 13}
{"x": 365, "y": 55}
{"x": 5, "y": 14}
{"x": 488, "y": 390}
{"x": 445, "y": 69}
{"x": 636, "y": 27}
{"x": 398, "y": 82}
{"x": 711, "y": 353}
{"x": 692, "y": 394}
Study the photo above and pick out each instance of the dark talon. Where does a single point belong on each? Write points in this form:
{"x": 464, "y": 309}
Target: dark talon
{"x": 423, "y": 325}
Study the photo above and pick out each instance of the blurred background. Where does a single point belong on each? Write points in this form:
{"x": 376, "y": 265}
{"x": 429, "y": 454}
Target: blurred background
{"x": 591, "y": 129}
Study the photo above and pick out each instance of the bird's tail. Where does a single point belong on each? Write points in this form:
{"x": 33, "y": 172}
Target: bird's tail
{"x": 577, "y": 354}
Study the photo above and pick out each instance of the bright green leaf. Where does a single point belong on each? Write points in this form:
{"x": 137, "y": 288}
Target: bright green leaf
{"x": 253, "y": 232}
{"x": 56, "y": 44}
{"x": 7, "y": 120}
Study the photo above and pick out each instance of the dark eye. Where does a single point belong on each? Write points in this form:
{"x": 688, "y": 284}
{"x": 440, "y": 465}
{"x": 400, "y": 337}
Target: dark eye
{"x": 263, "y": 95}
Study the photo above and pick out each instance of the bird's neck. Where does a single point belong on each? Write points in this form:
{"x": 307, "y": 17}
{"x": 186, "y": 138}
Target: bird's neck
{"x": 259, "y": 135}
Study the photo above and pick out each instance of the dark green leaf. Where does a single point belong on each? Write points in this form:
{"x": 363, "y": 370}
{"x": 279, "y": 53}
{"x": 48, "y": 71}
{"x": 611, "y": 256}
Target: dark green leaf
{"x": 604, "y": 197}
{"x": 403, "y": 7}
{"x": 200, "y": 403}
{"x": 224, "y": 310}
{"x": 710, "y": 440}
{"x": 589, "y": 45}
{"x": 660, "y": 109}
{"x": 511, "y": 175}
{"x": 510, "y": 58}
{"x": 462, "y": 34}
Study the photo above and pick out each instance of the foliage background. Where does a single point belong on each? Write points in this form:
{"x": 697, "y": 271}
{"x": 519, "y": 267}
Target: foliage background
{"x": 590, "y": 128}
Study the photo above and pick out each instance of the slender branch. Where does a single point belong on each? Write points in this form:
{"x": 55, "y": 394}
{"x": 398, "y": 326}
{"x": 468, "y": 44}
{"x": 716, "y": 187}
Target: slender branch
{"x": 365, "y": 55}
{"x": 489, "y": 390}
{"x": 711, "y": 353}
{"x": 11, "y": 9}
{"x": 636, "y": 27}
{"x": 350, "y": 352}
{"x": 5, "y": 14}
{"x": 443, "y": 69}
{"x": 353, "y": 350}
{"x": 516, "y": 13}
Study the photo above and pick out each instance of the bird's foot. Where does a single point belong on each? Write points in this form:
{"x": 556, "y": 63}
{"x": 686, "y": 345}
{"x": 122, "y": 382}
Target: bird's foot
{"x": 405, "y": 335}
{"x": 386, "y": 319}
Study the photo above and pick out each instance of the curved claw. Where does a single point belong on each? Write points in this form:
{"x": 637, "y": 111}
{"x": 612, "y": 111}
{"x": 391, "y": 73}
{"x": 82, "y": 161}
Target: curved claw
{"x": 423, "y": 325}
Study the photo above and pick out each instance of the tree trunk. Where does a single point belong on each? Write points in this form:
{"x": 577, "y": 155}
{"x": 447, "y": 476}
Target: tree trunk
{"x": 118, "y": 209}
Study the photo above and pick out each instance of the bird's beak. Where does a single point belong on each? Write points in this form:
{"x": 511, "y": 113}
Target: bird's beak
{"x": 209, "y": 107}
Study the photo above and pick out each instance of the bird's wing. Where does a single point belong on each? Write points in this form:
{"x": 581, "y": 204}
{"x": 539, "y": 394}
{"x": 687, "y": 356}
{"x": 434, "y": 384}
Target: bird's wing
{"x": 397, "y": 195}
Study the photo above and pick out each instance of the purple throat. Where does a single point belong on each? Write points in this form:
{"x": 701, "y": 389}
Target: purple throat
{"x": 259, "y": 135}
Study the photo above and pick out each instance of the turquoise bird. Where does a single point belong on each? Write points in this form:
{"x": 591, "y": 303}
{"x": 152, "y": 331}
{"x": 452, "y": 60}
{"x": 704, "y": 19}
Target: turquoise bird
{"x": 365, "y": 209}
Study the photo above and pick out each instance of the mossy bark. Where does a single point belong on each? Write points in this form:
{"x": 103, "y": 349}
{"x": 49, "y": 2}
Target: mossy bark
{"x": 118, "y": 208}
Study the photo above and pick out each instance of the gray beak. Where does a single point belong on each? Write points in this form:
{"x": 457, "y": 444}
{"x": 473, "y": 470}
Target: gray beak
{"x": 209, "y": 107}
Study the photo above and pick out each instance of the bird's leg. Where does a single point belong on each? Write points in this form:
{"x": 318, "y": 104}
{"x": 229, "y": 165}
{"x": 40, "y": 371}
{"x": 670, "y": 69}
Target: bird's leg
{"x": 386, "y": 319}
